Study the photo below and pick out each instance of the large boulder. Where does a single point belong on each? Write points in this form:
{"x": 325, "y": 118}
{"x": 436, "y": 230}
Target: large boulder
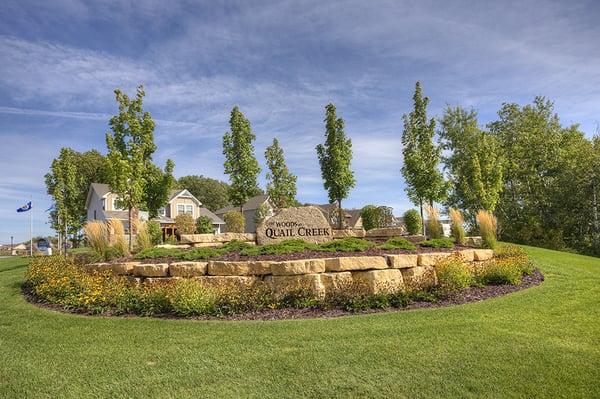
{"x": 483, "y": 254}
{"x": 305, "y": 222}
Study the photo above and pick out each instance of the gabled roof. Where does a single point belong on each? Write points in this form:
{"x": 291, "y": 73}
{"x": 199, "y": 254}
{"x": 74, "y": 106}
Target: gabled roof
{"x": 250, "y": 205}
{"x": 212, "y": 216}
{"x": 182, "y": 192}
{"x": 102, "y": 189}
{"x": 352, "y": 215}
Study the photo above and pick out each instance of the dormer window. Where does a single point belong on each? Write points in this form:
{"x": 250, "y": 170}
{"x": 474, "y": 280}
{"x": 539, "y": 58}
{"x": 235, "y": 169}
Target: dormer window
{"x": 162, "y": 211}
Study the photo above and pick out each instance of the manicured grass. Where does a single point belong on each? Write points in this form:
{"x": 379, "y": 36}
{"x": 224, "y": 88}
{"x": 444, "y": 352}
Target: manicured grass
{"x": 541, "y": 342}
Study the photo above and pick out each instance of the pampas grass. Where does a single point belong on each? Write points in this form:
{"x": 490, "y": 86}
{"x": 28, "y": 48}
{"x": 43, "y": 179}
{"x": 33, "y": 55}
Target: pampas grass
{"x": 142, "y": 238}
{"x": 117, "y": 236}
{"x": 434, "y": 227}
{"x": 456, "y": 227}
{"x": 96, "y": 235}
{"x": 487, "y": 228}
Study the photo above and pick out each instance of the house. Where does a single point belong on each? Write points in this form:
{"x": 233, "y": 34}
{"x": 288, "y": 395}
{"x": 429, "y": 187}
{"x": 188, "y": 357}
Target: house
{"x": 250, "y": 209}
{"x": 102, "y": 204}
{"x": 352, "y": 217}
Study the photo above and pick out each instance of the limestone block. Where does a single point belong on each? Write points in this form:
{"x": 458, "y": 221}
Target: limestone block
{"x": 160, "y": 280}
{"x": 402, "y": 261}
{"x": 188, "y": 269}
{"x": 304, "y": 266}
{"x": 386, "y": 232}
{"x": 173, "y": 246}
{"x": 420, "y": 275}
{"x": 432, "y": 258}
{"x": 416, "y": 239}
{"x": 359, "y": 233}
{"x": 151, "y": 270}
{"x": 355, "y": 263}
{"x": 474, "y": 241}
{"x": 125, "y": 268}
{"x": 483, "y": 254}
{"x": 238, "y": 268}
{"x": 379, "y": 280}
{"x": 467, "y": 255}
{"x": 283, "y": 284}
{"x": 337, "y": 280}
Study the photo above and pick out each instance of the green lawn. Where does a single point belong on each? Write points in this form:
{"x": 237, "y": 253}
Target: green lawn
{"x": 541, "y": 342}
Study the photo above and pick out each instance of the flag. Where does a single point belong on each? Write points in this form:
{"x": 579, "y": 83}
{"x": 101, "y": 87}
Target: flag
{"x": 50, "y": 209}
{"x": 25, "y": 207}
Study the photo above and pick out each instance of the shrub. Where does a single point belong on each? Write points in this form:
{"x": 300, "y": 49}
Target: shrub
{"x": 413, "y": 222}
{"x": 280, "y": 248}
{"x": 487, "y": 227}
{"x": 434, "y": 227}
{"x": 185, "y": 224}
{"x": 348, "y": 244}
{"x": 500, "y": 271}
{"x": 398, "y": 243}
{"x": 154, "y": 232}
{"x": 96, "y": 236}
{"x": 142, "y": 238}
{"x": 438, "y": 243}
{"x": 457, "y": 226}
{"x": 355, "y": 296}
{"x": 261, "y": 214}
{"x": 370, "y": 217}
{"x": 204, "y": 225}
{"x": 236, "y": 222}
{"x": 517, "y": 256}
{"x": 453, "y": 275}
{"x": 116, "y": 234}
{"x": 235, "y": 246}
{"x": 190, "y": 298}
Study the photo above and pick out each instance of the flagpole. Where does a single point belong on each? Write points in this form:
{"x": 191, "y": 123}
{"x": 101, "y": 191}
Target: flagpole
{"x": 31, "y": 228}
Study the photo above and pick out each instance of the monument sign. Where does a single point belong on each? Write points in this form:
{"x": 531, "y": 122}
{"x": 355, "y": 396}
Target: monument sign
{"x": 306, "y": 223}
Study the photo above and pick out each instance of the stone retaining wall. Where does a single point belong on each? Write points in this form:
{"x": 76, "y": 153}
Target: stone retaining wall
{"x": 376, "y": 272}
{"x": 214, "y": 240}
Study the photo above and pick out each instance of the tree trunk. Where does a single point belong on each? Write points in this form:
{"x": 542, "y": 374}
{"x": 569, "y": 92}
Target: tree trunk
{"x": 130, "y": 227}
{"x": 340, "y": 215}
{"x": 422, "y": 219}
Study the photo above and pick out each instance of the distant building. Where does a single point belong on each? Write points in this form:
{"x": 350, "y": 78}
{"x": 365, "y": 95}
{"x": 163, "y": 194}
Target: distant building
{"x": 352, "y": 217}
{"x": 102, "y": 204}
{"x": 250, "y": 209}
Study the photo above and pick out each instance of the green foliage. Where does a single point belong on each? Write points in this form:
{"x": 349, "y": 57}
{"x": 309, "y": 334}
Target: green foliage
{"x": 204, "y": 225}
{"x": 424, "y": 181}
{"x": 438, "y": 243}
{"x": 413, "y": 222}
{"x": 261, "y": 214}
{"x": 280, "y": 248}
{"x": 348, "y": 244}
{"x": 501, "y": 271}
{"x": 154, "y": 231}
{"x": 434, "y": 229}
{"x": 240, "y": 162}
{"x": 131, "y": 174}
{"x": 185, "y": 224}
{"x": 335, "y": 156}
{"x": 376, "y": 216}
{"x": 235, "y": 221}
{"x": 474, "y": 165}
{"x": 453, "y": 275}
{"x": 68, "y": 183}
{"x": 398, "y": 243}
{"x": 281, "y": 184}
{"x": 211, "y": 193}
{"x": 171, "y": 239}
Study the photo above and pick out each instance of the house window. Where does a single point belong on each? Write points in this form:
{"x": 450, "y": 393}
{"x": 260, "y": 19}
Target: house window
{"x": 94, "y": 214}
{"x": 103, "y": 204}
{"x": 116, "y": 207}
{"x": 180, "y": 209}
{"x": 189, "y": 209}
{"x": 162, "y": 211}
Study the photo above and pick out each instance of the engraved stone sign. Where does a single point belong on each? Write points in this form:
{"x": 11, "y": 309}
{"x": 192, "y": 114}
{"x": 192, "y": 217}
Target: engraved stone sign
{"x": 306, "y": 223}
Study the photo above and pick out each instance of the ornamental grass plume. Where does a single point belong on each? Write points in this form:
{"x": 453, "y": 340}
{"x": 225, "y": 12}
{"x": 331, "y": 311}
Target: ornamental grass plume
{"x": 434, "y": 226}
{"x": 142, "y": 238}
{"x": 456, "y": 227}
{"x": 117, "y": 237}
{"x": 487, "y": 227}
{"x": 96, "y": 235}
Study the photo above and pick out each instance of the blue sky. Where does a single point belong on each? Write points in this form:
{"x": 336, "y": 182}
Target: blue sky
{"x": 281, "y": 62}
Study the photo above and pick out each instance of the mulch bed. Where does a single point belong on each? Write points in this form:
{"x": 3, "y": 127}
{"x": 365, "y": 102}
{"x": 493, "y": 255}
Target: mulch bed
{"x": 468, "y": 295}
{"x": 307, "y": 254}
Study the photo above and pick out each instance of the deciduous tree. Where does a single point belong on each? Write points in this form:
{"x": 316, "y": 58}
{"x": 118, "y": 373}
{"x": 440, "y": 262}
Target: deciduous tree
{"x": 281, "y": 184}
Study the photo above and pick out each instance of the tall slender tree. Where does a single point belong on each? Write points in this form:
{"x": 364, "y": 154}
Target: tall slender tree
{"x": 335, "y": 156}
{"x": 424, "y": 181}
{"x": 281, "y": 186}
{"x": 240, "y": 163}
{"x": 131, "y": 174}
